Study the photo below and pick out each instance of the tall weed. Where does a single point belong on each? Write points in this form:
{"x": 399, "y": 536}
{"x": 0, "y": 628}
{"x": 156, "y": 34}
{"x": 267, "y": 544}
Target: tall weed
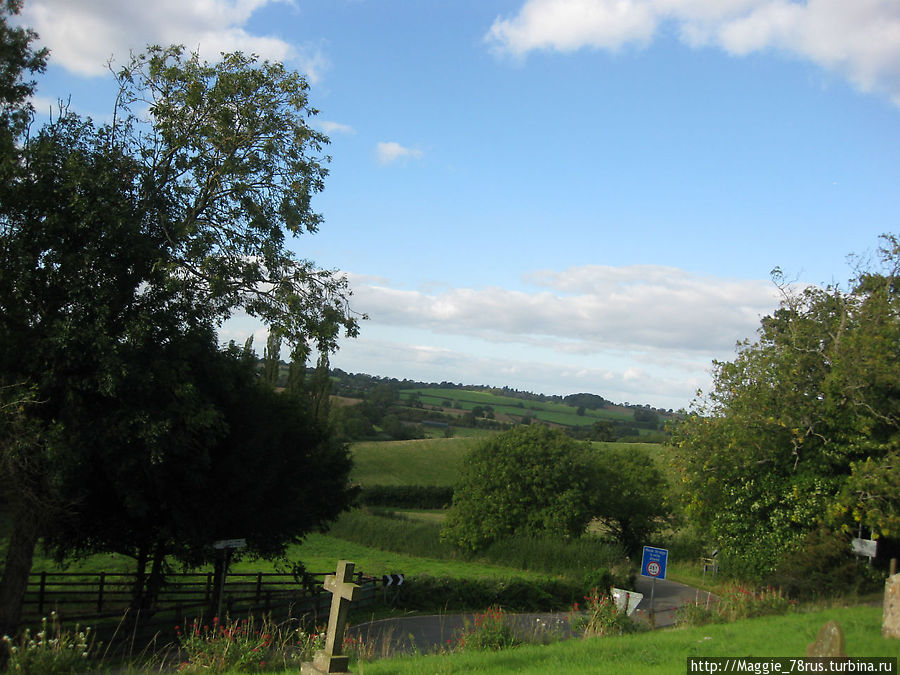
{"x": 736, "y": 602}
{"x": 50, "y": 651}
{"x": 487, "y": 631}
{"x": 245, "y": 645}
{"x": 599, "y": 616}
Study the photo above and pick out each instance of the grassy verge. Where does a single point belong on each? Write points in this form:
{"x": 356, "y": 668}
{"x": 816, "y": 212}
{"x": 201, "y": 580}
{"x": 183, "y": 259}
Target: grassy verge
{"x": 661, "y": 652}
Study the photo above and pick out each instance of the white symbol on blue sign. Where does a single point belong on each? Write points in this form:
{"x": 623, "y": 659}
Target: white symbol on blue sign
{"x": 653, "y": 563}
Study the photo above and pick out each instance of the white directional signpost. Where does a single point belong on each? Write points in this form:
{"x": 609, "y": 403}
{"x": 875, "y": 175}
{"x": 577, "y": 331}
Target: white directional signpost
{"x": 653, "y": 565}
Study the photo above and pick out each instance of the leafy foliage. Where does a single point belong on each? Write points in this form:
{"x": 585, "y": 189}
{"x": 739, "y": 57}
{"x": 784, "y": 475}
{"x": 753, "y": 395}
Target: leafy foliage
{"x": 529, "y": 480}
{"x": 123, "y": 248}
{"x": 801, "y": 428}
{"x": 488, "y": 630}
{"x": 229, "y": 168}
{"x": 629, "y": 495}
{"x": 19, "y": 61}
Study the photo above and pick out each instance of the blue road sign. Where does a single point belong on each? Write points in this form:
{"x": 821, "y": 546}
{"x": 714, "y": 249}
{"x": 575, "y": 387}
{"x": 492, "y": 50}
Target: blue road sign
{"x": 653, "y": 564}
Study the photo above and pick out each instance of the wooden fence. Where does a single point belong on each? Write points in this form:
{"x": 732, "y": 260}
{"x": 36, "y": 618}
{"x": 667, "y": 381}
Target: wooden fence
{"x": 76, "y": 596}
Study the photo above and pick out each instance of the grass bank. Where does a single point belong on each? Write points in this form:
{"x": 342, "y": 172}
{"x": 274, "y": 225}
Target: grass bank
{"x": 576, "y": 559}
{"x": 661, "y": 652}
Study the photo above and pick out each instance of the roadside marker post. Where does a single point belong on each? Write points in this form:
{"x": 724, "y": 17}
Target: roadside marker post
{"x": 653, "y": 564}
{"x": 224, "y": 548}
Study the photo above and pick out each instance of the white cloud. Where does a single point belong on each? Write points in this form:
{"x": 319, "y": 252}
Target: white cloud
{"x": 567, "y": 25}
{"x": 389, "y": 152}
{"x": 860, "y": 40}
{"x": 587, "y": 310}
{"x": 330, "y": 127}
{"x": 84, "y": 35}
{"x": 644, "y": 334}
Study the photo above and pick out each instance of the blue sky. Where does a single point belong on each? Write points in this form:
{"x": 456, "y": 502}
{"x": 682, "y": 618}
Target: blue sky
{"x": 558, "y": 195}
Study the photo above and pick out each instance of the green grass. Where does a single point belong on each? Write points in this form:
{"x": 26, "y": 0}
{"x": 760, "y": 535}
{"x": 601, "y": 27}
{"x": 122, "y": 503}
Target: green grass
{"x": 320, "y": 552}
{"x": 661, "y": 652}
{"x": 549, "y": 556}
{"x": 437, "y": 461}
{"x": 548, "y": 411}
{"x": 420, "y": 462}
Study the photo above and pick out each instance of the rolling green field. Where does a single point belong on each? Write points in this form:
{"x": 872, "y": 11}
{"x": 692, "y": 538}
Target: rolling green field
{"x": 557, "y": 413}
{"x": 433, "y": 461}
{"x": 437, "y": 461}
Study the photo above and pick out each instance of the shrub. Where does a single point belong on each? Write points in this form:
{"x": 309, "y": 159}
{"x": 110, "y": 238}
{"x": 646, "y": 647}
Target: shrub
{"x": 600, "y": 616}
{"x": 734, "y": 603}
{"x": 407, "y": 496}
{"x": 243, "y": 646}
{"x": 424, "y": 592}
{"x": 823, "y": 565}
{"x": 487, "y": 631}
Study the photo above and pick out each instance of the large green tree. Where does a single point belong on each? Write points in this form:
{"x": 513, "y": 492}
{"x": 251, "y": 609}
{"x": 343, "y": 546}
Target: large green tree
{"x": 799, "y": 431}
{"x": 121, "y": 243}
{"x": 73, "y": 256}
{"x": 197, "y": 448}
{"x": 230, "y": 165}
{"x": 529, "y": 480}
{"x": 629, "y": 494}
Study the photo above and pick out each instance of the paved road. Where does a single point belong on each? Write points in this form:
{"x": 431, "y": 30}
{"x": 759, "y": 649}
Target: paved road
{"x": 668, "y": 596}
{"x": 431, "y": 633}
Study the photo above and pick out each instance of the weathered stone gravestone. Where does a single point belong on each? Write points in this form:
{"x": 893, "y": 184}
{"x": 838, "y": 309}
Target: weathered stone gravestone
{"x": 330, "y": 659}
{"x": 890, "y": 621}
{"x": 829, "y": 641}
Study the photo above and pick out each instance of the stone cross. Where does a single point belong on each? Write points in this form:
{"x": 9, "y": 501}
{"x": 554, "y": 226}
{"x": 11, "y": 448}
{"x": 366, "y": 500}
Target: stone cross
{"x": 330, "y": 659}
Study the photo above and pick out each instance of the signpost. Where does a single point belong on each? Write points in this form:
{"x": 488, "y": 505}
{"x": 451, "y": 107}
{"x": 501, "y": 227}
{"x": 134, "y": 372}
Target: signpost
{"x": 653, "y": 565}
{"x": 395, "y": 581}
{"x": 865, "y": 547}
{"x": 226, "y": 546}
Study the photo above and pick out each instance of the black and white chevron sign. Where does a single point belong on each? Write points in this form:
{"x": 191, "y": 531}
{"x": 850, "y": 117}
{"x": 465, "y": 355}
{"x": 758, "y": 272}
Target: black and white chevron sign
{"x": 392, "y": 580}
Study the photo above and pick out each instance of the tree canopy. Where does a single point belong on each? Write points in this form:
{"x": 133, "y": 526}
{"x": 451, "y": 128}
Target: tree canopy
{"x": 536, "y": 480}
{"x": 123, "y": 247}
{"x": 800, "y": 431}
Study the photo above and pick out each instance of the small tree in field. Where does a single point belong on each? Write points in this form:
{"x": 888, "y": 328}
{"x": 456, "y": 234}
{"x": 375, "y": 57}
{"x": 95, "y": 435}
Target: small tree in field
{"x": 530, "y": 480}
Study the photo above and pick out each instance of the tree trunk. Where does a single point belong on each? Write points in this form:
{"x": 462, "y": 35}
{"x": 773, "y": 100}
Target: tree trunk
{"x": 154, "y": 583}
{"x": 140, "y": 574}
{"x": 19, "y": 558}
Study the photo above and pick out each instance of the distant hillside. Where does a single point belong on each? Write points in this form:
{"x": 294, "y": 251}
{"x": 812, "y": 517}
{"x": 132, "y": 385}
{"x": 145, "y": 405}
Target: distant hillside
{"x": 408, "y": 409}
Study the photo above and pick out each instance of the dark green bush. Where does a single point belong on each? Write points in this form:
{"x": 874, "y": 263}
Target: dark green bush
{"x": 824, "y": 565}
{"x": 424, "y": 592}
{"x": 407, "y": 496}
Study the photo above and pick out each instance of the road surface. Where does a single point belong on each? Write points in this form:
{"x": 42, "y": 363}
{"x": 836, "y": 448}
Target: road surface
{"x": 431, "y": 633}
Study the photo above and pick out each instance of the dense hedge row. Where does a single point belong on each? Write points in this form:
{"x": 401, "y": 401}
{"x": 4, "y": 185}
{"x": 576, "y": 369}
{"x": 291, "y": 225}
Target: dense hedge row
{"x": 407, "y": 496}
{"x": 419, "y": 593}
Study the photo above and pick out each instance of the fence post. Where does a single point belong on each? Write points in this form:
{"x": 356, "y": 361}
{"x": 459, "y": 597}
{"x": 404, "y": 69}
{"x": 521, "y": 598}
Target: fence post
{"x": 209, "y": 578}
{"x": 41, "y": 592}
{"x": 100, "y": 585}
{"x": 258, "y": 587}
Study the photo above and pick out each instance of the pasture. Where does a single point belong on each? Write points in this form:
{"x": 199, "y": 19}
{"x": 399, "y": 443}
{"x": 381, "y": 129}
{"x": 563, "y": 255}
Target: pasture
{"x": 545, "y": 411}
{"x": 430, "y": 461}
{"x": 437, "y": 461}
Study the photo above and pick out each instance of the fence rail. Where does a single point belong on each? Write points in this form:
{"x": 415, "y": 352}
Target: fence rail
{"x": 82, "y": 596}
